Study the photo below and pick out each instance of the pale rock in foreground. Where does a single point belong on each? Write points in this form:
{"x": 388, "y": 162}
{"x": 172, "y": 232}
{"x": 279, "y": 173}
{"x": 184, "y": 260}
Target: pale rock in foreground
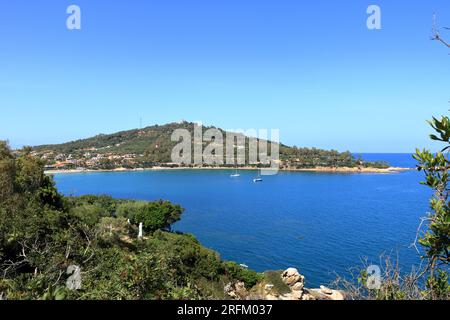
{"x": 319, "y": 294}
{"x": 291, "y": 276}
{"x": 294, "y": 289}
{"x": 299, "y": 286}
{"x": 326, "y": 290}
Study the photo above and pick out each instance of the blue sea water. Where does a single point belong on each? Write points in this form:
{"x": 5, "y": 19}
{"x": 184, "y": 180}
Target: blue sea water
{"x": 404, "y": 160}
{"x": 321, "y": 223}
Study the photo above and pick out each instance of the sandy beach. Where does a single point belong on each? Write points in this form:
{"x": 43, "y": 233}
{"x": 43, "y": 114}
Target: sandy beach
{"x": 317, "y": 169}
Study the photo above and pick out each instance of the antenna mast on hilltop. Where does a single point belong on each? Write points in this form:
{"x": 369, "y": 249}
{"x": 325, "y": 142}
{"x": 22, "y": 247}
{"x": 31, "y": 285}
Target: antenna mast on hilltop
{"x": 140, "y": 123}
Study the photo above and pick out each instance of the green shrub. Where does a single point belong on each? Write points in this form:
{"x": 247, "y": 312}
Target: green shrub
{"x": 157, "y": 215}
{"x": 248, "y": 276}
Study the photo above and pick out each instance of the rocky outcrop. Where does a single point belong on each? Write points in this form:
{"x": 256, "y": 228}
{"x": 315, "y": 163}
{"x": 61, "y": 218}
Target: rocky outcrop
{"x": 296, "y": 282}
{"x": 286, "y": 285}
{"x": 325, "y": 293}
{"x": 291, "y": 277}
{"x": 236, "y": 290}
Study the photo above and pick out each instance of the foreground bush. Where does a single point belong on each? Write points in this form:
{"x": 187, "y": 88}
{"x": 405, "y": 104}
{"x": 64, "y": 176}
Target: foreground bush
{"x": 52, "y": 247}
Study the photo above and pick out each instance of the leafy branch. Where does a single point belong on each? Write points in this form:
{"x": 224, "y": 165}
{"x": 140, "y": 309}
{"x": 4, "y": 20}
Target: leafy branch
{"x": 436, "y": 238}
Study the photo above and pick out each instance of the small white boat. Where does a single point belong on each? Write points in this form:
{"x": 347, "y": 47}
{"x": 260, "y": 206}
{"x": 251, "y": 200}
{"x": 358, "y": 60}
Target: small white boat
{"x": 258, "y": 178}
{"x": 235, "y": 175}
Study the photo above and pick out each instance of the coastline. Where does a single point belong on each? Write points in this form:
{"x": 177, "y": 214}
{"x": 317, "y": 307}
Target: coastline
{"x": 317, "y": 169}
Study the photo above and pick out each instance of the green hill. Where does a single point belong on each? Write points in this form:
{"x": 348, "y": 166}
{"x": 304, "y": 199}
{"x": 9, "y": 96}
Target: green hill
{"x": 152, "y": 146}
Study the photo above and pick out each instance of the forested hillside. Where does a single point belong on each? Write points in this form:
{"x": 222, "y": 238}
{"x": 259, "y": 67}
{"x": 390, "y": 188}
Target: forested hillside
{"x": 152, "y": 146}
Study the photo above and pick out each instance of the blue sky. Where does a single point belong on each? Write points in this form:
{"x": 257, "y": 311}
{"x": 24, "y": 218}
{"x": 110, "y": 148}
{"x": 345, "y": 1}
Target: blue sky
{"x": 310, "y": 68}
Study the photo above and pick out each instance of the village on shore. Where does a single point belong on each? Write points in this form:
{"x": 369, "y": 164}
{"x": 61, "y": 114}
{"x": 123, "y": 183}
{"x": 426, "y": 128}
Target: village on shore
{"x": 111, "y": 162}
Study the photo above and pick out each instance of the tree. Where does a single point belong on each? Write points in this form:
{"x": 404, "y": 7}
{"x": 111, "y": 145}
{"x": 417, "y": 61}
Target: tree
{"x": 154, "y": 215}
{"x": 436, "y": 238}
{"x": 7, "y": 172}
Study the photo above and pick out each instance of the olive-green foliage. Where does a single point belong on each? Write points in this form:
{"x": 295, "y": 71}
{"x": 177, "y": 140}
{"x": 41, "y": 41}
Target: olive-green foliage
{"x": 438, "y": 286}
{"x": 155, "y": 215}
{"x": 436, "y": 238}
{"x": 42, "y": 233}
{"x": 158, "y": 215}
{"x": 248, "y": 276}
{"x": 187, "y": 252}
{"x": 31, "y": 212}
{"x": 312, "y": 157}
{"x": 129, "y": 209}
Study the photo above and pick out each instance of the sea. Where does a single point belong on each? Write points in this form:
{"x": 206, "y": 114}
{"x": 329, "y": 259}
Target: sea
{"x": 323, "y": 224}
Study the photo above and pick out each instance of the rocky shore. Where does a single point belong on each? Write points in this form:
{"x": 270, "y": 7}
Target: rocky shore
{"x": 282, "y": 285}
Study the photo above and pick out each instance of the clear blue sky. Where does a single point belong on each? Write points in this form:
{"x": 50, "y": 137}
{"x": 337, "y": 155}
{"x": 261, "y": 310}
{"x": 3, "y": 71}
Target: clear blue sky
{"x": 310, "y": 68}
